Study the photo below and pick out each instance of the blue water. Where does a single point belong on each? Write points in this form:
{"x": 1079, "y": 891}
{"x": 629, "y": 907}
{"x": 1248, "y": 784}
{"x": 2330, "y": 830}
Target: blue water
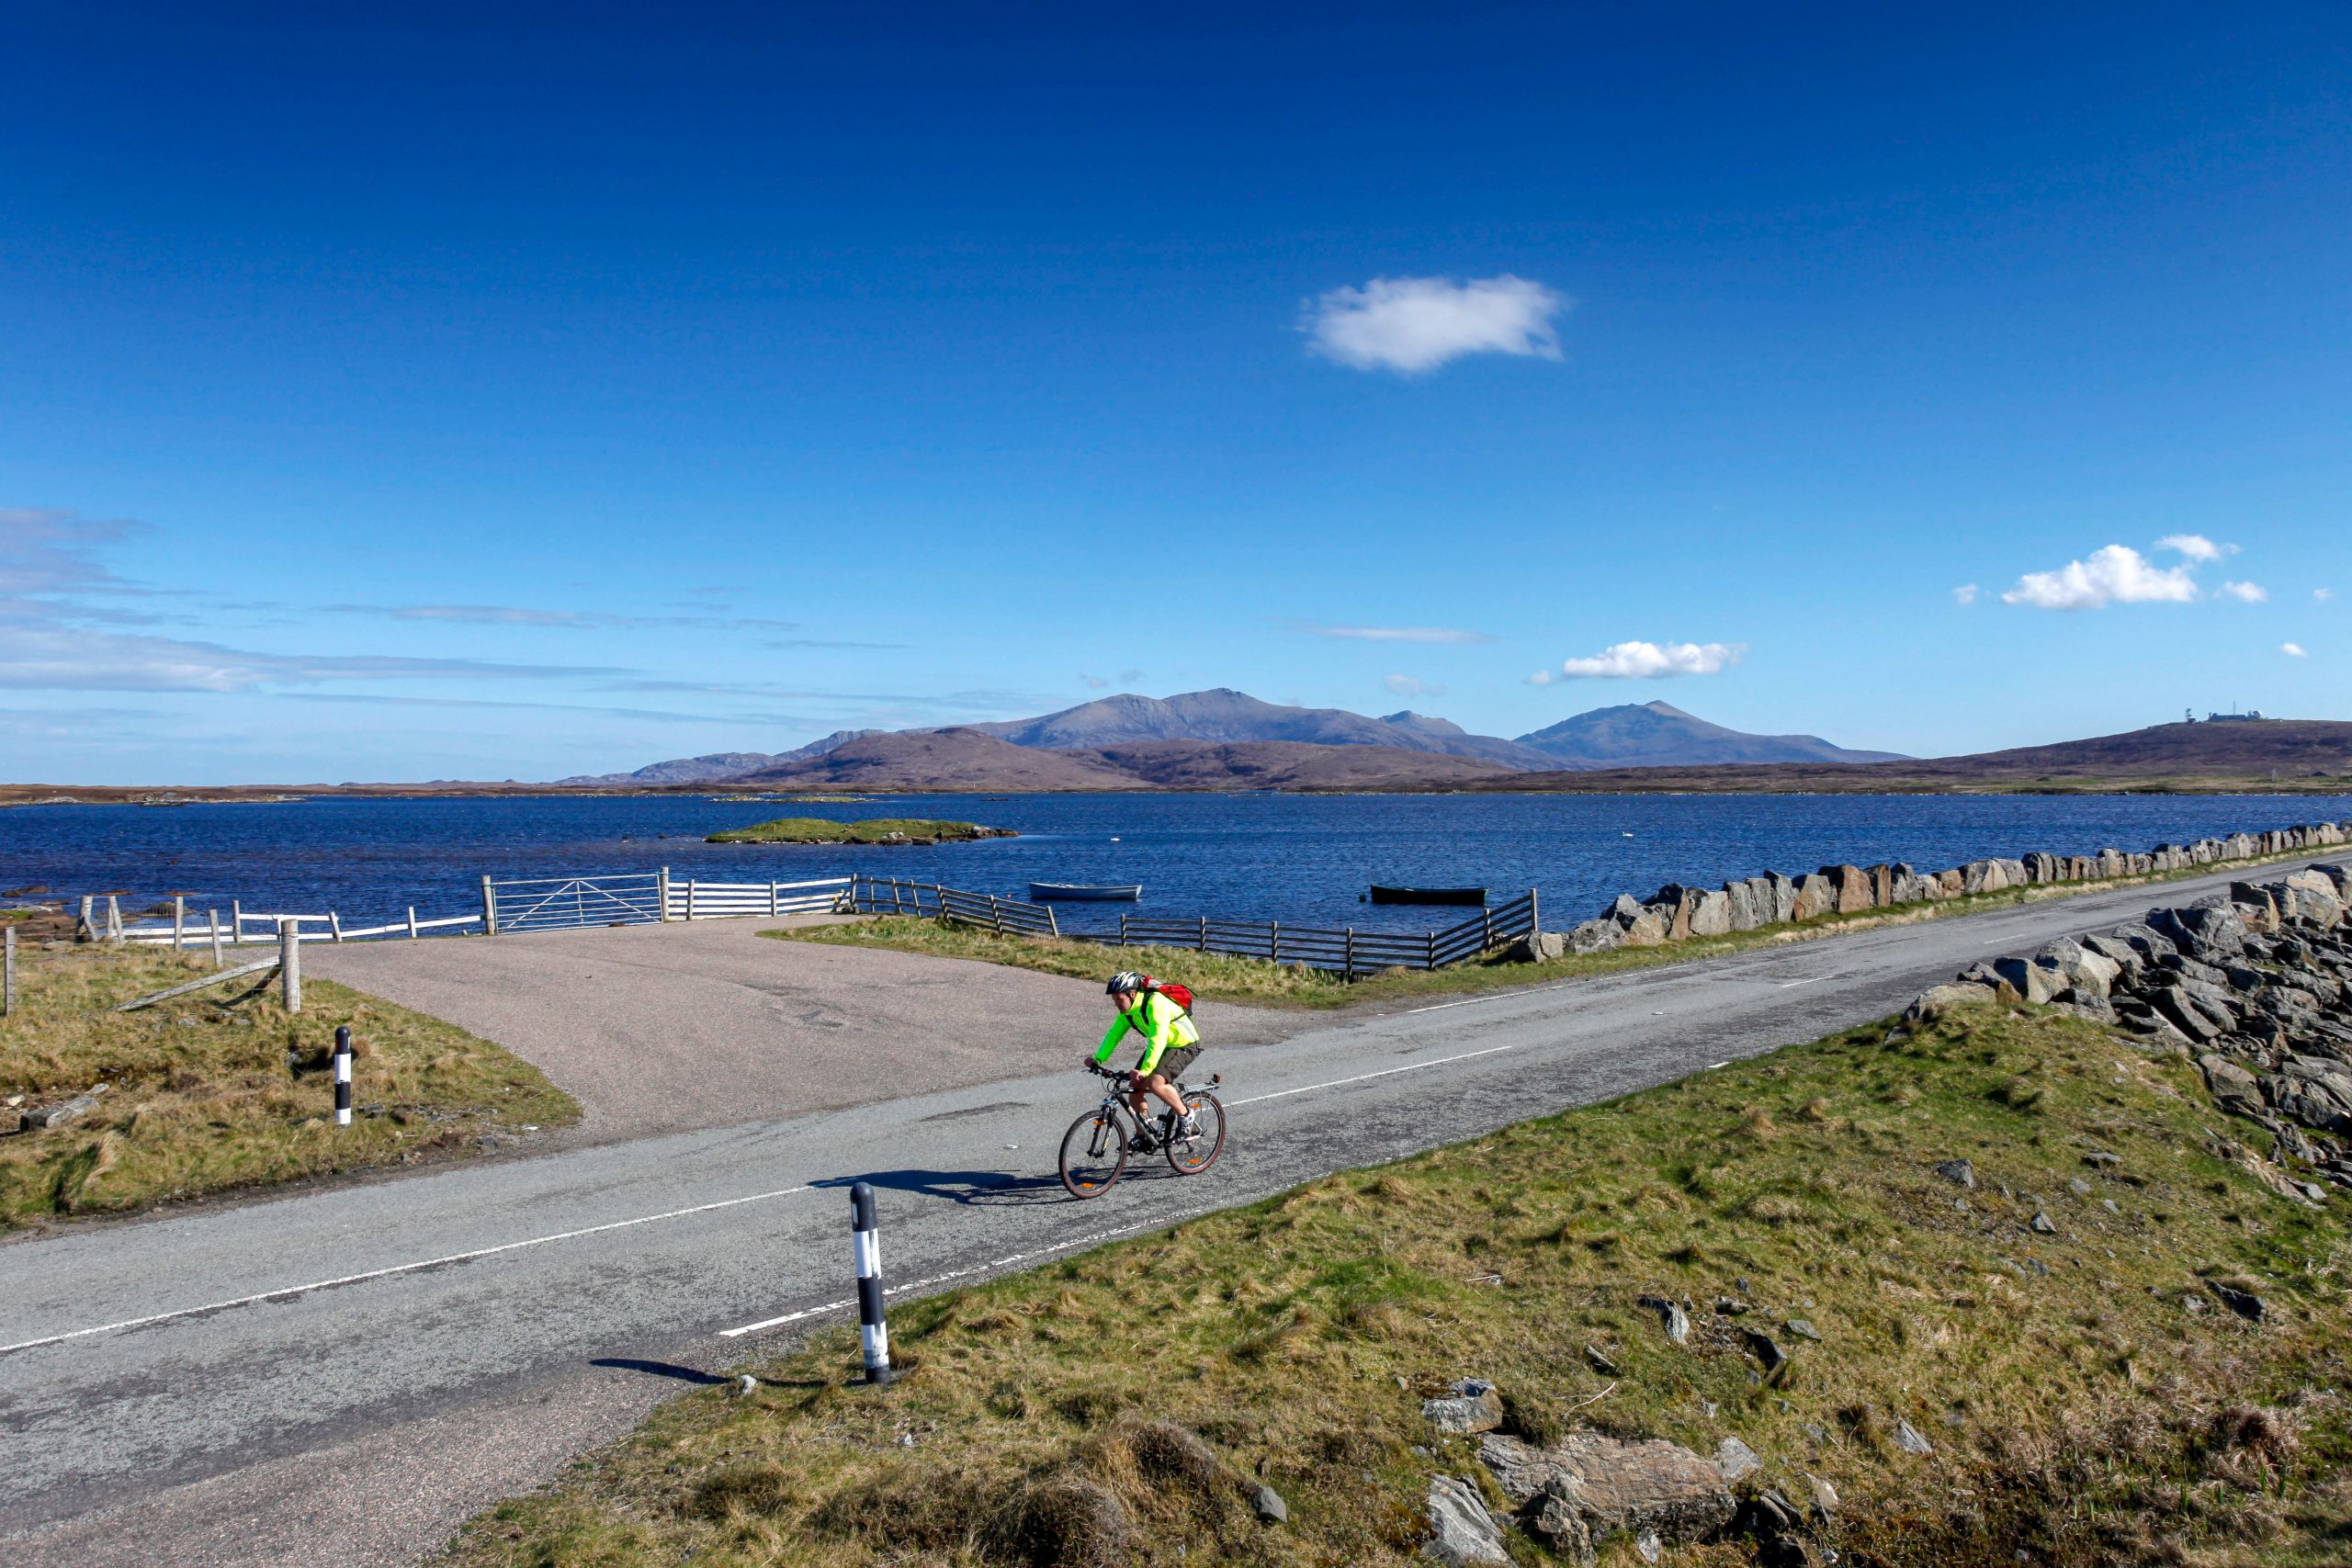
{"x": 1300, "y": 859}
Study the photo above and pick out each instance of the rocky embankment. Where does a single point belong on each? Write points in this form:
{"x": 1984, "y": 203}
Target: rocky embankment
{"x": 1677, "y": 913}
{"x": 2255, "y": 985}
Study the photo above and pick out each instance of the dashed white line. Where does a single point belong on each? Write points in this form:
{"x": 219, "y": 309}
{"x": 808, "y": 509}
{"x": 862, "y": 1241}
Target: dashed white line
{"x": 1365, "y": 1077}
{"x": 291, "y": 1290}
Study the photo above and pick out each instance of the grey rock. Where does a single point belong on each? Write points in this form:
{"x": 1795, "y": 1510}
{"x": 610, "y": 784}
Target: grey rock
{"x": 1764, "y": 1348}
{"x": 1959, "y": 1172}
{"x": 1647, "y": 1547}
{"x": 2078, "y": 1187}
{"x": 1611, "y": 1486}
{"x": 1461, "y": 1530}
{"x": 1909, "y": 1439}
{"x": 1538, "y": 947}
{"x": 61, "y": 1113}
{"x": 1936, "y": 1000}
{"x": 1597, "y": 936}
{"x": 1473, "y": 1405}
{"x": 1598, "y": 1360}
{"x": 2042, "y": 1224}
{"x": 1735, "y": 1460}
{"x": 2245, "y": 1304}
{"x": 1267, "y": 1504}
{"x": 1710, "y": 915}
{"x": 1803, "y": 1330}
{"x": 2035, "y": 981}
{"x": 1676, "y": 1322}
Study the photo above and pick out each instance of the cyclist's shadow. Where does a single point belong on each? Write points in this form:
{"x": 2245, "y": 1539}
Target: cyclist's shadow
{"x": 985, "y": 1189}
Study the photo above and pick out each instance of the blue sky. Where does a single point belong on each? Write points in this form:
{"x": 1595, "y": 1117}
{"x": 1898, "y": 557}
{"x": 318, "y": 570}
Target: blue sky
{"x": 489, "y": 391}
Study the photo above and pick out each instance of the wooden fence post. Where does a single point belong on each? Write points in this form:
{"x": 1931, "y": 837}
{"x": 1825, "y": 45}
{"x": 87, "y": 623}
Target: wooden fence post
{"x": 9, "y": 972}
{"x": 212, "y": 918}
{"x": 290, "y": 963}
{"x": 179, "y": 922}
{"x": 489, "y": 906}
{"x": 1429, "y": 960}
{"x": 661, "y": 891}
{"x": 114, "y": 918}
{"x": 1534, "y": 924}
{"x": 1052, "y": 923}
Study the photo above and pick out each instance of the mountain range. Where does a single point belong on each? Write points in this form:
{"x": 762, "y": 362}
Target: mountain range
{"x": 1225, "y": 738}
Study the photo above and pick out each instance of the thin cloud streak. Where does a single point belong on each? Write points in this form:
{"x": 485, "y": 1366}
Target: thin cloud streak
{"x": 1400, "y": 634}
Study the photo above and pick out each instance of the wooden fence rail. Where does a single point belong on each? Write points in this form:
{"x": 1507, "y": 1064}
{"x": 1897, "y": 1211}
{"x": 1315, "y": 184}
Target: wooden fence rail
{"x": 1345, "y": 951}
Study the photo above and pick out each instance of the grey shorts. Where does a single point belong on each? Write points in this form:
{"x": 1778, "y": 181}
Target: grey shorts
{"x": 1173, "y": 1062}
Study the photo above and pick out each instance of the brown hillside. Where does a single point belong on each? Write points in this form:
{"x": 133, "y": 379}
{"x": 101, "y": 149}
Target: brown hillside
{"x": 2305, "y": 754}
{"x": 1294, "y": 764}
{"x": 950, "y": 761}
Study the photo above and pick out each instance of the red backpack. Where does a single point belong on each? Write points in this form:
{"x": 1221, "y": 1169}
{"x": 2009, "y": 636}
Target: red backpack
{"x": 1175, "y": 992}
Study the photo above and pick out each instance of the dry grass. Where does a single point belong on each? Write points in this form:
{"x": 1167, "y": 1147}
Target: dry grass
{"x": 222, "y": 1089}
{"x": 2089, "y": 1400}
{"x": 1220, "y": 978}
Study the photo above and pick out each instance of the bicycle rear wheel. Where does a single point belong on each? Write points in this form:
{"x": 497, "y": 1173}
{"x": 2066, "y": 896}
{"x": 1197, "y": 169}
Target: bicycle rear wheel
{"x": 1189, "y": 1156}
{"x": 1095, "y": 1153}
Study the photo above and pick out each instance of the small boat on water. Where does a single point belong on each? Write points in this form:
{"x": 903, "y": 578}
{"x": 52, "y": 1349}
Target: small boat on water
{"x": 1473, "y": 896}
{"x": 1076, "y": 892}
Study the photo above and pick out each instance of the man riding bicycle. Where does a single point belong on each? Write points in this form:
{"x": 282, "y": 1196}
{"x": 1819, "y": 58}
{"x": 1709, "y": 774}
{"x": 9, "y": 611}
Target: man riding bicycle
{"x": 1170, "y": 1043}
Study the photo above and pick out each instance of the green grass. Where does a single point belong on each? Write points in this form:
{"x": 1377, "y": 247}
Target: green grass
{"x": 2089, "y": 1399}
{"x": 1221, "y": 978}
{"x": 819, "y": 831}
{"x": 209, "y": 1092}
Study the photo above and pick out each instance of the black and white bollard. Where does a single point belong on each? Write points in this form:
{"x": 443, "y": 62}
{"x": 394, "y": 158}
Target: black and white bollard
{"x": 343, "y": 1076}
{"x": 874, "y": 1329}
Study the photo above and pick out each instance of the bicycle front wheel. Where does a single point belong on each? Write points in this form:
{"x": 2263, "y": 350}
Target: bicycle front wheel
{"x": 1189, "y": 1156}
{"x": 1095, "y": 1151}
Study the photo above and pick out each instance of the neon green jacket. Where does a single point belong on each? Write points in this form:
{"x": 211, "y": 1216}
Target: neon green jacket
{"x": 1161, "y": 1023}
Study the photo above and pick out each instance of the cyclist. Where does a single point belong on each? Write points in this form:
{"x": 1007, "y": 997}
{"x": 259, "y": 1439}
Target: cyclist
{"x": 1170, "y": 1043}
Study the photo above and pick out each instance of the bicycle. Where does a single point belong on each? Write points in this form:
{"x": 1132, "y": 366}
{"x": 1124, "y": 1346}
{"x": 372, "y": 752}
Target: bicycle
{"x": 1095, "y": 1150}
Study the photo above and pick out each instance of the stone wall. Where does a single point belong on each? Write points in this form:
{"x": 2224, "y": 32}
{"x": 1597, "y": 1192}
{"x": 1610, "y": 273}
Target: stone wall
{"x": 1676, "y": 913}
{"x": 2255, "y": 985}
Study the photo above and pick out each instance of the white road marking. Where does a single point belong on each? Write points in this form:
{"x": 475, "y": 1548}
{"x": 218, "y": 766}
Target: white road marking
{"x": 1786, "y": 985}
{"x": 1361, "y": 1077}
{"x": 395, "y": 1268}
{"x": 994, "y": 1263}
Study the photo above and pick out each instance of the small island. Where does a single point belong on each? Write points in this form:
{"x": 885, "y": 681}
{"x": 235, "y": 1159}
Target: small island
{"x": 880, "y": 830}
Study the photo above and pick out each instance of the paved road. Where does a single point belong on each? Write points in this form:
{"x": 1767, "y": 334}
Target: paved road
{"x": 346, "y": 1375}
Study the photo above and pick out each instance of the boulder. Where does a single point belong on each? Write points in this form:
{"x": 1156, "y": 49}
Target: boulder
{"x": 1852, "y": 888}
{"x": 2209, "y": 929}
{"x": 1472, "y": 1405}
{"x": 1815, "y": 898}
{"x": 1959, "y": 1172}
{"x": 1984, "y": 877}
{"x": 1596, "y": 936}
{"x": 1735, "y": 1460}
{"x": 2109, "y": 864}
{"x": 1267, "y": 1504}
{"x": 1461, "y": 1530}
{"x": 1784, "y": 897}
{"x": 1646, "y": 931}
{"x": 2035, "y": 982}
{"x": 1953, "y": 882}
{"x": 1882, "y": 885}
{"x": 2116, "y": 951}
{"x": 2085, "y": 968}
{"x": 1933, "y": 1001}
{"x": 1743, "y": 906}
{"x": 1670, "y": 1315}
{"x": 1539, "y": 947}
{"x": 2226, "y": 1081}
{"x": 1709, "y": 914}
{"x": 2180, "y": 1010}
{"x": 1624, "y": 912}
{"x": 1614, "y": 1486}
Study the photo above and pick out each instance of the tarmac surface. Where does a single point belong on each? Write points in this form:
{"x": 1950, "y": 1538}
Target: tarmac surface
{"x": 346, "y": 1375}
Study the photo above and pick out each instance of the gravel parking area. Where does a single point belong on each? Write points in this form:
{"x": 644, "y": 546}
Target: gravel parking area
{"x": 663, "y": 1028}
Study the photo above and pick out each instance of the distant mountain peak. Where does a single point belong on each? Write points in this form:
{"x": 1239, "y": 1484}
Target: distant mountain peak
{"x": 1659, "y": 735}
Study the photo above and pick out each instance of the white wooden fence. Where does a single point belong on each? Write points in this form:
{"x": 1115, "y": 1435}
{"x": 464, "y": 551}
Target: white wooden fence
{"x": 528, "y": 904}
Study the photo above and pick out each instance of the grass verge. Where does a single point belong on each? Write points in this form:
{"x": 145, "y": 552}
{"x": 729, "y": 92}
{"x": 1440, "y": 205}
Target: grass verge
{"x": 222, "y": 1089}
{"x": 879, "y": 830}
{"x": 2088, "y": 1397}
{"x": 1221, "y": 978}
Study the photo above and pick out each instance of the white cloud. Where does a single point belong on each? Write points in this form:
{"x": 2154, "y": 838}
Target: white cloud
{"x": 2116, "y": 574}
{"x": 1412, "y": 324}
{"x": 1540, "y": 677}
{"x": 1964, "y": 595}
{"x": 49, "y": 658}
{"x": 2195, "y": 547}
{"x": 1401, "y": 634}
{"x": 2292, "y": 650}
{"x": 1409, "y": 686}
{"x": 2246, "y": 593}
{"x": 1646, "y": 660}
{"x": 2323, "y": 594}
